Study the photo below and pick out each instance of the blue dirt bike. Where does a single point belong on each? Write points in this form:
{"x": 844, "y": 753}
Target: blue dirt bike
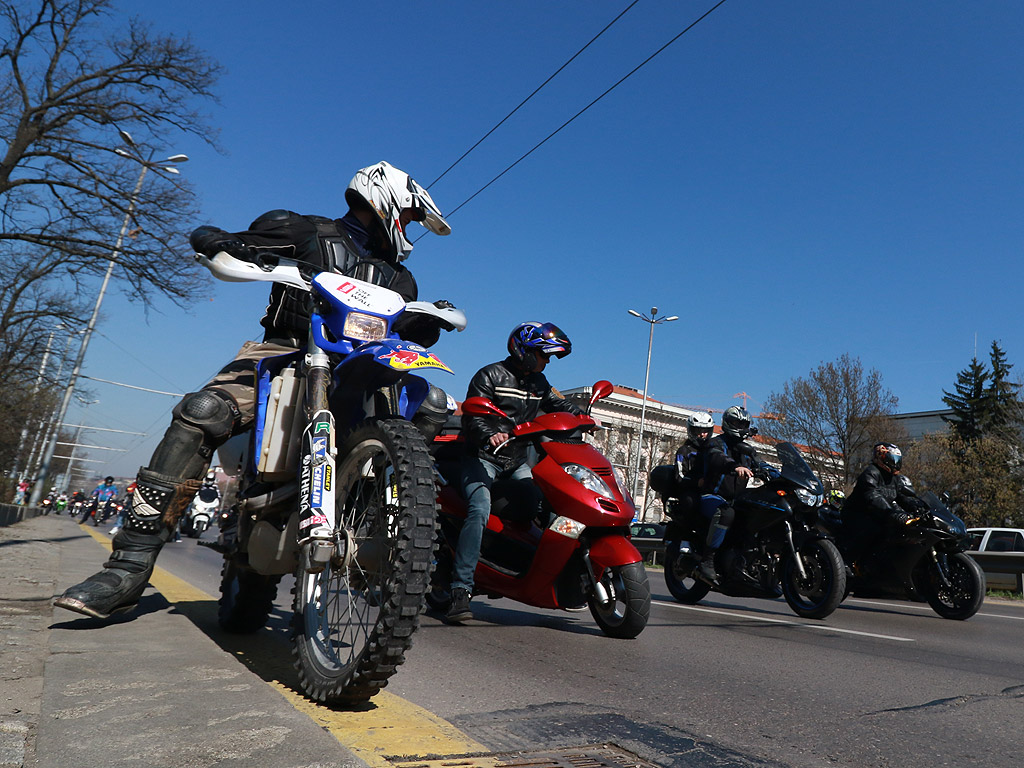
{"x": 336, "y": 484}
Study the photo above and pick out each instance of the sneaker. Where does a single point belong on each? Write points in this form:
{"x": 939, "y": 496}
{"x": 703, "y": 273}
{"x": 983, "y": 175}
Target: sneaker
{"x": 459, "y": 610}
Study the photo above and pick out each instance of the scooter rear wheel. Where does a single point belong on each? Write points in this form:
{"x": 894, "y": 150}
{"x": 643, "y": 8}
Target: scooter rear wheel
{"x": 625, "y": 613}
{"x": 356, "y": 618}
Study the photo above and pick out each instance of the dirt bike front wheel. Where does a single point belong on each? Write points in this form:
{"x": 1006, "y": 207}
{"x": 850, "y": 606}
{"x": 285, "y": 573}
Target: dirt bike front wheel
{"x": 356, "y": 618}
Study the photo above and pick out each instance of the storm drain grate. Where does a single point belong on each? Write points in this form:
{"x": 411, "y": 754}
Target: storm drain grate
{"x": 593, "y": 756}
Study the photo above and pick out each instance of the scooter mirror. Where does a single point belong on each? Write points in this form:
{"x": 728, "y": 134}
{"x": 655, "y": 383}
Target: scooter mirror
{"x": 600, "y": 391}
{"x": 481, "y": 406}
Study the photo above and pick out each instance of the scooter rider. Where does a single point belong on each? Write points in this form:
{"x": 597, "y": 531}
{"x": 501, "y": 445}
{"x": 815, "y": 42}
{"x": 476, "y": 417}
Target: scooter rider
{"x": 518, "y": 387}
{"x": 729, "y": 464}
{"x": 369, "y": 243}
{"x": 877, "y": 502}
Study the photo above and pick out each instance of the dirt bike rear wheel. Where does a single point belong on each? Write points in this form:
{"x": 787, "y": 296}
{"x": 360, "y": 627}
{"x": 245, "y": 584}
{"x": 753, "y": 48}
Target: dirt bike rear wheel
{"x": 626, "y": 612}
{"x": 679, "y": 578}
{"x": 356, "y": 618}
{"x": 963, "y": 598}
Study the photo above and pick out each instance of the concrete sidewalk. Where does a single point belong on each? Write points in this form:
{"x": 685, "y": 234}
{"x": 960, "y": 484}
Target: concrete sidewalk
{"x": 153, "y": 689}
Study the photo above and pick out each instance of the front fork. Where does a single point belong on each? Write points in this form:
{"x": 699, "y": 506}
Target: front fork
{"x": 795, "y": 554}
{"x": 319, "y": 451}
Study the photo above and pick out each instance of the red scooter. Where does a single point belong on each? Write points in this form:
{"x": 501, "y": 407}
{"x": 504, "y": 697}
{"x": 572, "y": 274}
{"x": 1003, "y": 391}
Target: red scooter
{"x": 583, "y": 558}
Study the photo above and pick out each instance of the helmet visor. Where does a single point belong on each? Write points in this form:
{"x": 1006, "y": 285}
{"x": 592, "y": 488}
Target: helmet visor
{"x": 553, "y": 340}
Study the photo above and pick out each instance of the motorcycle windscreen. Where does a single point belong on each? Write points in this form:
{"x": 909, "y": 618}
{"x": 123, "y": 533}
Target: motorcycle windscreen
{"x": 795, "y": 469}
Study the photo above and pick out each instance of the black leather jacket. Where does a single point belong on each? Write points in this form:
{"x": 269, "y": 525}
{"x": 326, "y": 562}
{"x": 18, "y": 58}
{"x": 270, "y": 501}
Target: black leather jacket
{"x": 873, "y": 499}
{"x": 724, "y": 455}
{"x": 520, "y": 395}
{"x": 336, "y": 245}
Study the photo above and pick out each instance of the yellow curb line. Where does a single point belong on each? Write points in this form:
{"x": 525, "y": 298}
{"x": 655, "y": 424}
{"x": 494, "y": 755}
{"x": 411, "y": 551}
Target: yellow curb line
{"x": 394, "y": 727}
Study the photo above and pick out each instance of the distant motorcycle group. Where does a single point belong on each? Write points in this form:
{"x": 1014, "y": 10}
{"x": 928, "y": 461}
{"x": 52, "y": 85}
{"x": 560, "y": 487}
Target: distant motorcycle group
{"x": 786, "y": 542}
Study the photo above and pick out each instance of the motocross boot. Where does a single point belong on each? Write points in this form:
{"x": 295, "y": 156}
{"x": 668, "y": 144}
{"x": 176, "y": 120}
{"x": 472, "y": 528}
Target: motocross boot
{"x": 152, "y": 516}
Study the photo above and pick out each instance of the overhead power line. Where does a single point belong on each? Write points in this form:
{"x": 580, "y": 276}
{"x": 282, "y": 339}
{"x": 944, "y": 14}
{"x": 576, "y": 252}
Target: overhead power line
{"x": 535, "y": 92}
{"x": 592, "y": 103}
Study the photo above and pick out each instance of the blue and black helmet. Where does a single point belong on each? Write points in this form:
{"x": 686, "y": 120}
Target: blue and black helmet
{"x": 527, "y": 340}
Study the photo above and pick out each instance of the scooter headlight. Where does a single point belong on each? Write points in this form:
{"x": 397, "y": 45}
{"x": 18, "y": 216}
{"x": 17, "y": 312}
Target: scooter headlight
{"x": 363, "y": 327}
{"x": 589, "y": 480}
{"x": 807, "y": 498}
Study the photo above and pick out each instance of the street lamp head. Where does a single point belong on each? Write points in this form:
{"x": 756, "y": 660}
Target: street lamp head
{"x": 670, "y": 319}
{"x": 124, "y": 153}
{"x": 654, "y": 311}
{"x": 170, "y": 169}
{"x": 634, "y": 313}
{"x": 126, "y": 138}
{"x": 177, "y": 159}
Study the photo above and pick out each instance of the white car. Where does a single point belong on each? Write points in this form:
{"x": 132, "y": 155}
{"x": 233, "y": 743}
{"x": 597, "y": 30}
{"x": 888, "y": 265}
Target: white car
{"x": 1002, "y": 543}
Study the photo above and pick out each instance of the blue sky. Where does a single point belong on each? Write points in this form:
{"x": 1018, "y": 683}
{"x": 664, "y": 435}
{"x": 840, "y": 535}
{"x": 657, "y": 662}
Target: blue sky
{"x": 795, "y": 180}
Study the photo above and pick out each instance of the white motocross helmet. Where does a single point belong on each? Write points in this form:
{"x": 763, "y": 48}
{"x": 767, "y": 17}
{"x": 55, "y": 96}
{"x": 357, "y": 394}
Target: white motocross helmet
{"x": 389, "y": 191}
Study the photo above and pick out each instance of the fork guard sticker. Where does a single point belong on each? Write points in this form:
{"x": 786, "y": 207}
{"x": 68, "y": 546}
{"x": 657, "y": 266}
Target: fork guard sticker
{"x": 405, "y": 356}
{"x": 316, "y": 489}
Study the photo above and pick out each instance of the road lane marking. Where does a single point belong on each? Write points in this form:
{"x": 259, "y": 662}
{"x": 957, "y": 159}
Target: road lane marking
{"x": 754, "y": 617}
{"x": 393, "y": 727}
{"x": 927, "y": 608}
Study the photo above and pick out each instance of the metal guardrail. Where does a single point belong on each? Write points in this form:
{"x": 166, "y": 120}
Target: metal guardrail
{"x": 1003, "y": 570}
{"x": 14, "y": 513}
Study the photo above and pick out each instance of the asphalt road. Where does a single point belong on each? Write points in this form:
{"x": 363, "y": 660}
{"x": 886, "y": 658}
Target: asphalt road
{"x": 879, "y": 683}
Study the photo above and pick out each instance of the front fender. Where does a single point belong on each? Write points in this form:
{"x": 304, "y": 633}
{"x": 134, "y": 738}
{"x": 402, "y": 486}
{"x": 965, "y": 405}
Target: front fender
{"x": 610, "y": 551}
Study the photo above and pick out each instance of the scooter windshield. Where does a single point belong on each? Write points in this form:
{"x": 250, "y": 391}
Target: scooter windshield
{"x": 795, "y": 469}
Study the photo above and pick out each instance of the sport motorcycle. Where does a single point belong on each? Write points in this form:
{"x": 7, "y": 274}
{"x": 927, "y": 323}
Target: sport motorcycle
{"x": 924, "y": 559}
{"x": 336, "y": 484}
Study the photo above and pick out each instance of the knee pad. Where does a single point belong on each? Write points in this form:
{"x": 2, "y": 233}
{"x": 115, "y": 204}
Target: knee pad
{"x": 200, "y": 424}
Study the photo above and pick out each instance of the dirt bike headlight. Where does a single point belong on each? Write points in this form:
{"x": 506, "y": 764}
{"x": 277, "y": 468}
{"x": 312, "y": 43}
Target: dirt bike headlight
{"x": 363, "y": 327}
{"x": 807, "y": 498}
{"x": 589, "y": 480}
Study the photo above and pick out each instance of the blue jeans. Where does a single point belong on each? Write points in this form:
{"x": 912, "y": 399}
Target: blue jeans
{"x": 478, "y": 475}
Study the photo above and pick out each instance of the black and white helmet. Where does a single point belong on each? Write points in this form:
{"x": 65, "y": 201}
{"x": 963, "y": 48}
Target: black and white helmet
{"x": 700, "y": 426}
{"x": 736, "y": 422}
{"x": 389, "y": 191}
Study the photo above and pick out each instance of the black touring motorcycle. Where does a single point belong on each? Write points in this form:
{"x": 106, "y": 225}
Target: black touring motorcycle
{"x": 773, "y": 548}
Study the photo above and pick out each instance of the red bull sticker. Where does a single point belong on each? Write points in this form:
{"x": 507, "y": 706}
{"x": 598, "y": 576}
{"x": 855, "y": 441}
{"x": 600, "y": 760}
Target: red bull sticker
{"x": 408, "y": 359}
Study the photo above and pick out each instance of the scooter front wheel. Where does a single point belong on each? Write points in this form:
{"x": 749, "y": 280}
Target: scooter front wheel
{"x": 356, "y": 617}
{"x": 626, "y": 606}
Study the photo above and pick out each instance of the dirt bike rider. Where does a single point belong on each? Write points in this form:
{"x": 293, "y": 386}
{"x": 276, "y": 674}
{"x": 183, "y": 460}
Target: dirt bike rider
{"x": 729, "y": 463}
{"x": 368, "y": 243}
{"x": 878, "y": 504}
{"x": 518, "y": 387}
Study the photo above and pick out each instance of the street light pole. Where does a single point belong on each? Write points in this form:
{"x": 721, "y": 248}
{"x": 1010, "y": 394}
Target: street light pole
{"x": 653, "y": 320}
{"x": 146, "y": 163}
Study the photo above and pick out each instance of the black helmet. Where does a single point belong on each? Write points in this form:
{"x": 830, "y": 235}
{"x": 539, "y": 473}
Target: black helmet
{"x": 888, "y": 457}
{"x": 108, "y": 479}
{"x": 736, "y": 422}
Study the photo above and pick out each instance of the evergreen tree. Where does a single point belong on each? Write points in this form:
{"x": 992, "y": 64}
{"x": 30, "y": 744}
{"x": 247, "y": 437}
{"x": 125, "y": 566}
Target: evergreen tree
{"x": 968, "y": 402}
{"x": 1002, "y": 401}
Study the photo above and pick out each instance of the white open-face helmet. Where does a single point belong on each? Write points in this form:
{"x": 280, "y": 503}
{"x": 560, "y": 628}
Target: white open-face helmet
{"x": 389, "y": 191}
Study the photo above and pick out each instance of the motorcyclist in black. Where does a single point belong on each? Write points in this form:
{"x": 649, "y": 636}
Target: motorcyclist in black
{"x": 368, "y": 243}
{"x": 690, "y": 464}
{"x": 518, "y": 387}
{"x": 878, "y": 503}
{"x": 729, "y": 464}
